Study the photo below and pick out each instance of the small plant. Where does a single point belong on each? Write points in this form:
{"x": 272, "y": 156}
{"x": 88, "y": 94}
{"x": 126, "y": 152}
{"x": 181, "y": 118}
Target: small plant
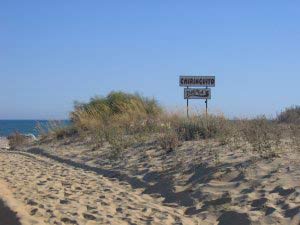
{"x": 55, "y": 129}
{"x": 97, "y": 137}
{"x": 216, "y": 158}
{"x": 237, "y": 139}
{"x": 63, "y": 132}
{"x": 118, "y": 141}
{"x": 261, "y": 134}
{"x": 169, "y": 140}
{"x": 295, "y": 136}
{"x": 227, "y": 133}
{"x": 16, "y": 140}
{"x": 199, "y": 127}
{"x": 41, "y": 130}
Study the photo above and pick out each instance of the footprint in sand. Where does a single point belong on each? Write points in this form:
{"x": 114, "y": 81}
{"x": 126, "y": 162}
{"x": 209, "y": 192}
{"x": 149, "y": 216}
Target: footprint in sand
{"x": 89, "y": 216}
{"x": 119, "y": 210}
{"x": 64, "y": 201}
{"x": 31, "y": 202}
{"x": 68, "y": 221}
{"x": 33, "y": 211}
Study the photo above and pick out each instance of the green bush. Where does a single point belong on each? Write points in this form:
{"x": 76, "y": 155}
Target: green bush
{"x": 126, "y": 110}
{"x": 119, "y": 118}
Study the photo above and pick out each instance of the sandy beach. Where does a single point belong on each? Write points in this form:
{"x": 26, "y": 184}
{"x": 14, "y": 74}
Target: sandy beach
{"x": 43, "y": 191}
{"x": 63, "y": 183}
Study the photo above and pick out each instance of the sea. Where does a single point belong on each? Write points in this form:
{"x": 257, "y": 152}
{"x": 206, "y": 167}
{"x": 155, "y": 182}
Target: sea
{"x": 8, "y": 127}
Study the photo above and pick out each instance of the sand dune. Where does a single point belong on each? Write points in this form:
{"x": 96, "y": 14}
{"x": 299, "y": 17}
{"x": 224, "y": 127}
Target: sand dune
{"x": 66, "y": 183}
{"x": 234, "y": 185}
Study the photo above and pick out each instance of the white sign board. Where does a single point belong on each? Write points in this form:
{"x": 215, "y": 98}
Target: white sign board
{"x": 197, "y": 93}
{"x": 197, "y": 81}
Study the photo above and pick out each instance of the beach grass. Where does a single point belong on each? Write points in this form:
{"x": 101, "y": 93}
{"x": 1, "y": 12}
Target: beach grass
{"x": 123, "y": 120}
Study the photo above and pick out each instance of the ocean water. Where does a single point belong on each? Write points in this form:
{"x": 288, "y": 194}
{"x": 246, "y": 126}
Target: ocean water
{"x": 7, "y": 127}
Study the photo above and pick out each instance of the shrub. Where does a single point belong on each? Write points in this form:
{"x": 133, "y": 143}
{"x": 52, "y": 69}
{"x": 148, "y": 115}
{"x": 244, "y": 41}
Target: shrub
{"x": 16, "y": 140}
{"x": 290, "y": 115}
{"x": 131, "y": 112}
{"x": 63, "y": 132}
{"x": 169, "y": 140}
{"x": 56, "y": 128}
{"x": 295, "y": 136}
{"x": 116, "y": 116}
{"x": 201, "y": 126}
{"x": 263, "y": 135}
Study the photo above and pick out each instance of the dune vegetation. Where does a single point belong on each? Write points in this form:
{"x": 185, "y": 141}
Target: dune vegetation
{"x": 123, "y": 120}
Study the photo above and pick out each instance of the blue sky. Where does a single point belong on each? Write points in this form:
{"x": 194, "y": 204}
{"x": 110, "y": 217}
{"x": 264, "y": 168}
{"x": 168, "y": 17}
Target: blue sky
{"x": 55, "y": 52}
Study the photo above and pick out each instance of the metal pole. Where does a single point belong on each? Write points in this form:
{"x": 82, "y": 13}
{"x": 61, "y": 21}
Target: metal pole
{"x": 187, "y": 106}
{"x": 206, "y": 106}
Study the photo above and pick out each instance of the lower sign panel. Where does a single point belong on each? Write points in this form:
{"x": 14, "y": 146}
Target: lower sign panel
{"x": 197, "y": 93}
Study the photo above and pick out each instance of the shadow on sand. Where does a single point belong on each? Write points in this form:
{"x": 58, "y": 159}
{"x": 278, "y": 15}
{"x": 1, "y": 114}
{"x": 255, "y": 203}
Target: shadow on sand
{"x": 7, "y": 216}
{"x": 154, "y": 182}
{"x": 163, "y": 185}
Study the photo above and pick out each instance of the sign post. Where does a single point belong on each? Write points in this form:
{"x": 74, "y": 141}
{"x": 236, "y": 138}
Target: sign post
{"x": 197, "y": 93}
{"x": 187, "y": 107}
{"x": 206, "y": 107}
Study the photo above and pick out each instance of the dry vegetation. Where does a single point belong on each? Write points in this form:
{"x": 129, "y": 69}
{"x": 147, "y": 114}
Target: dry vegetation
{"x": 123, "y": 120}
{"x": 16, "y": 140}
{"x": 290, "y": 115}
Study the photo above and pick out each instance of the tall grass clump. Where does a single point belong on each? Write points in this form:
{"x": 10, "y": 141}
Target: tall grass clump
{"x": 118, "y": 108}
{"x": 116, "y": 118}
{"x": 55, "y": 129}
{"x": 178, "y": 128}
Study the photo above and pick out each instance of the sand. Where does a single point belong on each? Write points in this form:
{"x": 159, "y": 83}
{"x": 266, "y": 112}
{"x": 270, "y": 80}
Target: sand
{"x": 7, "y": 216}
{"x": 55, "y": 193}
{"x": 4, "y": 143}
{"x": 65, "y": 182}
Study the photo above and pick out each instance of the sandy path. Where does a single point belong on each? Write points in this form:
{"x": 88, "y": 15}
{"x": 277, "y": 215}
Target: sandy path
{"x": 56, "y": 193}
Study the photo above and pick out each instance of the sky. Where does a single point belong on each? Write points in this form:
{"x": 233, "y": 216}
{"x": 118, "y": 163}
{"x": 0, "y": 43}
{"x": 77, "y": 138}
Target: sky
{"x": 55, "y": 52}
